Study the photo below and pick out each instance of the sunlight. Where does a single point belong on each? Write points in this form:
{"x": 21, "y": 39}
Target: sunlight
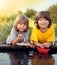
{"x": 4, "y": 6}
{"x": 2, "y": 2}
{"x": 9, "y": 6}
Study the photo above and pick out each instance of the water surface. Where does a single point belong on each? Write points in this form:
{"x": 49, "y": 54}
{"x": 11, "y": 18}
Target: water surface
{"x": 27, "y": 58}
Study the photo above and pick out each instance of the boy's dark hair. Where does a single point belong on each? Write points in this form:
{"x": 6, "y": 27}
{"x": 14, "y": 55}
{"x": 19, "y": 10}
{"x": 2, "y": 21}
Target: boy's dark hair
{"x": 43, "y": 14}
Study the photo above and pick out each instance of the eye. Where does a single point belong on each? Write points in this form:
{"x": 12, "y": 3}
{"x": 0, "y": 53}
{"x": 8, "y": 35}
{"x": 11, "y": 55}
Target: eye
{"x": 40, "y": 19}
{"x": 25, "y": 23}
{"x": 20, "y": 23}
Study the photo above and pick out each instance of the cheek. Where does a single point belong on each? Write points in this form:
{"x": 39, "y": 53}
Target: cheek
{"x": 38, "y": 23}
{"x": 25, "y": 27}
{"x": 18, "y": 26}
{"x": 47, "y": 23}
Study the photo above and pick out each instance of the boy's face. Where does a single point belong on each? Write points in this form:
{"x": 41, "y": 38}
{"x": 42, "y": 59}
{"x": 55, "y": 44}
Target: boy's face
{"x": 21, "y": 26}
{"x": 43, "y": 23}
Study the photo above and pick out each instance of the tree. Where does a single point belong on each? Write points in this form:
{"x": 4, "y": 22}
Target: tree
{"x": 30, "y": 13}
{"x": 53, "y": 12}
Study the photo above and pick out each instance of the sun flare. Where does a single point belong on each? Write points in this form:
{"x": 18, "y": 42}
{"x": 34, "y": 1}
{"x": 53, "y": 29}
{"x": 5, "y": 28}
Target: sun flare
{"x": 2, "y": 2}
{"x": 11, "y": 6}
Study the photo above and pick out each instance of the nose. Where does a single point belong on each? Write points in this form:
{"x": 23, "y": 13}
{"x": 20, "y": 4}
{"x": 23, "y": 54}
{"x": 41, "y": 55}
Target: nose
{"x": 43, "y": 21}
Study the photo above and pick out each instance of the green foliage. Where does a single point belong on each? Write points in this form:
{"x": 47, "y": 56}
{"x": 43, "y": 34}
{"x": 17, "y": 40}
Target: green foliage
{"x": 5, "y": 30}
{"x": 53, "y": 9}
{"x": 53, "y": 12}
{"x": 30, "y": 13}
{"x": 56, "y": 32}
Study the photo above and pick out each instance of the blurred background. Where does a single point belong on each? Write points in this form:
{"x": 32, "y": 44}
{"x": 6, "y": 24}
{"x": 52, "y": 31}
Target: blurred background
{"x": 10, "y": 9}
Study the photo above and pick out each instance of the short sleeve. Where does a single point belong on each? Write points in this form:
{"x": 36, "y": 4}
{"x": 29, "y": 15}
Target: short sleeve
{"x": 13, "y": 34}
{"x": 34, "y": 36}
{"x": 51, "y": 36}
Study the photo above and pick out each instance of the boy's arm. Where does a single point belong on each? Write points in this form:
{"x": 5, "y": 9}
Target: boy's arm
{"x": 51, "y": 37}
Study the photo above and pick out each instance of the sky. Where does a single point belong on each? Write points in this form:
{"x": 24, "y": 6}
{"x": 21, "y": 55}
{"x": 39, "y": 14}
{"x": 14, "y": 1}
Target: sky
{"x": 11, "y": 6}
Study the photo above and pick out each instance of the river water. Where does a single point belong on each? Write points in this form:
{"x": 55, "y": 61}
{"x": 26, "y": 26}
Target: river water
{"x": 27, "y": 58}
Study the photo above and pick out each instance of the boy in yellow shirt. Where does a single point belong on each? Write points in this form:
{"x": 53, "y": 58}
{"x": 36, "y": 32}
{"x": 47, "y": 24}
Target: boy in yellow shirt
{"x": 43, "y": 33}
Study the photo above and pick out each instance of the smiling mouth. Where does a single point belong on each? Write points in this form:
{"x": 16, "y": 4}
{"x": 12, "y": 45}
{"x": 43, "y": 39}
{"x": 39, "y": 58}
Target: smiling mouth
{"x": 22, "y": 28}
{"x": 43, "y": 24}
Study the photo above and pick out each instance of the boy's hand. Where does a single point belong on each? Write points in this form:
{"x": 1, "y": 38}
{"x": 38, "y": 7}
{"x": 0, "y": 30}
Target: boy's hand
{"x": 47, "y": 44}
{"x": 32, "y": 46}
{"x": 39, "y": 45}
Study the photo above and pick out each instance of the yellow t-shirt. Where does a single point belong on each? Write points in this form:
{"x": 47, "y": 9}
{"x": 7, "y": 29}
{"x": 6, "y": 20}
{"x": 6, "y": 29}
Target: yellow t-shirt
{"x": 41, "y": 37}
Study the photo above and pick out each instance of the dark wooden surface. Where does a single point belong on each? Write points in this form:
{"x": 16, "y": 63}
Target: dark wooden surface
{"x": 53, "y": 48}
